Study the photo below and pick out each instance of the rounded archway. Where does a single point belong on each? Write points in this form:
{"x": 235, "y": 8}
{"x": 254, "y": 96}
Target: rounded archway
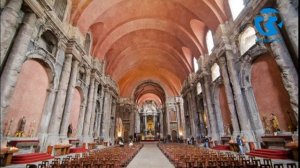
{"x": 270, "y": 94}
{"x": 31, "y": 86}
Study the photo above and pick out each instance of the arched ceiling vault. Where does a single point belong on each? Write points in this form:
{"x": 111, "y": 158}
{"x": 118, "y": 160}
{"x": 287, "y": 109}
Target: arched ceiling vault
{"x": 148, "y": 40}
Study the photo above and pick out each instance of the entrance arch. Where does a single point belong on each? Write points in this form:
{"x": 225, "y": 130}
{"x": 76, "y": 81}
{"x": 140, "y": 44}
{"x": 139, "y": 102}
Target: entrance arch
{"x": 31, "y": 86}
{"x": 269, "y": 91}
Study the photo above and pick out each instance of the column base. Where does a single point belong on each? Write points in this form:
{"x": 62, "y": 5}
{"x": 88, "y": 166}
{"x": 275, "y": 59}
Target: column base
{"x": 53, "y": 139}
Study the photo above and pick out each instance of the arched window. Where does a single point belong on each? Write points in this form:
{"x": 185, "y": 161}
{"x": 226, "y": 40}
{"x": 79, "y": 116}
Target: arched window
{"x": 236, "y": 6}
{"x": 247, "y": 39}
{"x": 199, "y": 89}
{"x": 196, "y": 67}
{"x": 87, "y": 43}
{"x": 209, "y": 42}
{"x": 49, "y": 42}
{"x": 60, "y": 8}
{"x": 215, "y": 71}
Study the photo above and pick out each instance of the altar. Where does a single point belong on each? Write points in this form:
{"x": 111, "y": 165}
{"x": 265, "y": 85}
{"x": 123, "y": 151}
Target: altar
{"x": 24, "y": 144}
{"x": 275, "y": 142}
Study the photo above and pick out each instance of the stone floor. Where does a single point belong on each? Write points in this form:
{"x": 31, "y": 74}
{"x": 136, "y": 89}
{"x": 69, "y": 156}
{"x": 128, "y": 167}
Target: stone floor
{"x": 150, "y": 157}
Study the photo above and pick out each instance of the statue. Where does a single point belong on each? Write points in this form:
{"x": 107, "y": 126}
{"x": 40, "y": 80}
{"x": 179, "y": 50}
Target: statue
{"x": 70, "y": 129}
{"x": 228, "y": 132}
{"x": 31, "y": 129}
{"x": 21, "y": 127}
{"x": 275, "y": 123}
{"x": 266, "y": 124}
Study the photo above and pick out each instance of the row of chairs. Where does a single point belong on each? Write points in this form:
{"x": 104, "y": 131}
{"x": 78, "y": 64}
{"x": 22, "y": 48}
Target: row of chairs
{"x": 187, "y": 156}
{"x": 112, "y": 157}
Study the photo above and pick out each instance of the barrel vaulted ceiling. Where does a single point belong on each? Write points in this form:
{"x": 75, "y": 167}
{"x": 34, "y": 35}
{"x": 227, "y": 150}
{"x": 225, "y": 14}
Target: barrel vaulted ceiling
{"x": 148, "y": 40}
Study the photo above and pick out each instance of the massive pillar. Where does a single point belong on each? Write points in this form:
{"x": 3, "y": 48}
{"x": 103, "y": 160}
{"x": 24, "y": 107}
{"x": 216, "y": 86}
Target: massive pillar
{"x": 113, "y": 121}
{"x": 229, "y": 96}
{"x": 92, "y": 129}
{"x": 58, "y": 108}
{"x": 289, "y": 73}
{"x": 87, "y": 118}
{"x": 9, "y": 23}
{"x": 14, "y": 62}
{"x": 238, "y": 97}
{"x": 289, "y": 15}
{"x": 211, "y": 116}
{"x": 107, "y": 114}
{"x": 99, "y": 119}
{"x": 66, "y": 115}
{"x": 83, "y": 104}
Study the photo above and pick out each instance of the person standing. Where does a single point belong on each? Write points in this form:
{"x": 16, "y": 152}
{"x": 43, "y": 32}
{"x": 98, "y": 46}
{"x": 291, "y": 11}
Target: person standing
{"x": 240, "y": 144}
{"x": 206, "y": 142}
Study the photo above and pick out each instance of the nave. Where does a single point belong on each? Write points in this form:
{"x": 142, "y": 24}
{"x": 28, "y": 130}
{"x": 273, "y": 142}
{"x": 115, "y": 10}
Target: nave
{"x": 159, "y": 155}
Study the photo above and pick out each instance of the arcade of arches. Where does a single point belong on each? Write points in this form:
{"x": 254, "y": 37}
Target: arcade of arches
{"x": 149, "y": 69}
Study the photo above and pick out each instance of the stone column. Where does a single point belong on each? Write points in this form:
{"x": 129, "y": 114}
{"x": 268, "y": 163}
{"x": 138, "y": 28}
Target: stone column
{"x": 145, "y": 122}
{"x": 138, "y": 123}
{"x": 9, "y": 23}
{"x": 92, "y": 129}
{"x": 113, "y": 121}
{"x": 56, "y": 117}
{"x": 83, "y": 105}
{"x": 87, "y": 118}
{"x": 238, "y": 97}
{"x": 229, "y": 96}
{"x": 14, "y": 63}
{"x": 289, "y": 15}
{"x": 107, "y": 114}
{"x": 288, "y": 71}
{"x": 161, "y": 124}
{"x": 66, "y": 115}
{"x": 210, "y": 112}
{"x": 45, "y": 119}
{"x": 154, "y": 122}
{"x": 191, "y": 104}
{"x": 100, "y": 113}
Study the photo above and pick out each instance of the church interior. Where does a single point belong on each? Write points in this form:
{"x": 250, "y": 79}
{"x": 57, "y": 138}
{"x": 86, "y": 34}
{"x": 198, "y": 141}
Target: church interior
{"x": 149, "y": 83}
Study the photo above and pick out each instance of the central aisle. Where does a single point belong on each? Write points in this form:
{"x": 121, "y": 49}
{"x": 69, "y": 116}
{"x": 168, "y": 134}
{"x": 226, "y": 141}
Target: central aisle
{"x": 150, "y": 157}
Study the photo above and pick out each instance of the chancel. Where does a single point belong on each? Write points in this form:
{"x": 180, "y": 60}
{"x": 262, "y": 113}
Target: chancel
{"x": 149, "y": 83}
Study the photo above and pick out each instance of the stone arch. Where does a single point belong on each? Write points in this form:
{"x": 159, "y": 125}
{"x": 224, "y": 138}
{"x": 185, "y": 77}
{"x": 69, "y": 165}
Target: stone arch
{"x": 88, "y": 42}
{"x": 269, "y": 91}
{"x": 77, "y": 100}
{"x": 217, "y": 107}
{"x": 48, "y": 40}
{"x": 32, "y": 86}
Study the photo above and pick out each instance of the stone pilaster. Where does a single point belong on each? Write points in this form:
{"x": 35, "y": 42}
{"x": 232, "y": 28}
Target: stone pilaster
{"x": 289, "y": 15}
{"x": 210, "y": 112}
{"x": 244, "y": 120}
{"x": 92, "y": 129}
{"x": 113, "y": 121}
{"x": 87, "y": 118}
{"x": 14, "y": 63}
{"x": 288, "y": 71}
{"x": 66, "y": 115}
{"x": 106, "y": 115}
{"x": 99, "y": 120}
{"x": 9, "y": 23}
{"x": 193, "y": 118}
{"x": 229, "y": 96}
{"x": 83, "y": 105}
{"x": 138, "y": 123}
{"x": 56, "y": 117}
{"x": 45, "y": 119}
